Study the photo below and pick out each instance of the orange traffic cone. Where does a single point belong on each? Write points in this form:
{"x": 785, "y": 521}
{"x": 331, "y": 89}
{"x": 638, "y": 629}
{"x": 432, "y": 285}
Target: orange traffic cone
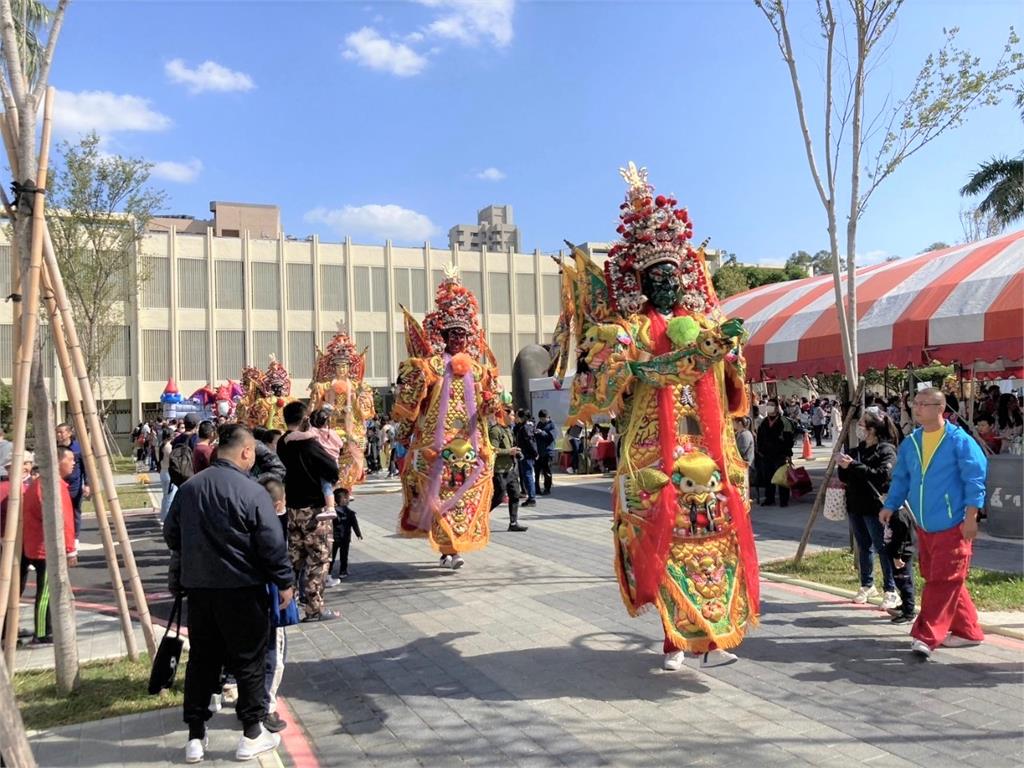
{"x": 807, "y": 447}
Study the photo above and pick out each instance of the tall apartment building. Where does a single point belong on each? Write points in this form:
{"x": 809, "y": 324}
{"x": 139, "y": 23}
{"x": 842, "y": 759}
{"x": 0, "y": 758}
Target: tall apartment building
{"x": 214, "y": 303}
{"x": 494, "y": 231}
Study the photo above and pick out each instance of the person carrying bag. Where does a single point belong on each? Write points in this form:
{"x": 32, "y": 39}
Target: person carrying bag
{"x": 168, "y": 654}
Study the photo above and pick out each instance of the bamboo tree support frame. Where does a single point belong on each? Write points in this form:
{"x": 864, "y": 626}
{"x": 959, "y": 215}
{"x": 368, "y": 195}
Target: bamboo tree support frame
{"x": 74, "y": 393}
{"x": 819, "y": 499}
{"x": 23, "y": 356}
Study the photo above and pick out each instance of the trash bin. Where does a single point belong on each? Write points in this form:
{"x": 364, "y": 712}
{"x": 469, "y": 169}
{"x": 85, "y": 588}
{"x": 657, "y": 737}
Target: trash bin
{"x": 1004, "y": 489}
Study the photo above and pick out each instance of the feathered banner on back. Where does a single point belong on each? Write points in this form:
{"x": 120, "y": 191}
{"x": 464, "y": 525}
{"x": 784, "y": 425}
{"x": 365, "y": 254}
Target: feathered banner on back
{"x": 416, "y": 342}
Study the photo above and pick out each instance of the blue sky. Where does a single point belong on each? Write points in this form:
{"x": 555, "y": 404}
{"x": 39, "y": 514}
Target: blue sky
{"x": 402, "y": 119}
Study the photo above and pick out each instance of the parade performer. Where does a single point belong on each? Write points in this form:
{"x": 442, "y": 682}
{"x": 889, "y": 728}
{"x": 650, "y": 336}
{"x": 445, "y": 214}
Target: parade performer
{"x": 265, "y": 396}
{"x": 655, "y": 351}
{"x": 338, "y": 387}
{"x": 446, "y": 391}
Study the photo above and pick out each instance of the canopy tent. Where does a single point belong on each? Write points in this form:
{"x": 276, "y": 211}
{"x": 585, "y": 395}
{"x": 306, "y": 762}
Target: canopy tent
{"x": 963, "y": 304}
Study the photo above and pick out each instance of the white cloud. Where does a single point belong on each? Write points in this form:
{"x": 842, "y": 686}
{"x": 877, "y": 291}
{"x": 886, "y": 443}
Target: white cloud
{"x": 470, "y": 21}
{"x": 380, "y": 222}
{"x": 208, "y": 76}
{"x": 182, "y": 173}
{"x": 414, "y": 37}
{"x": 871, "y": 257}
{"x": 105, "y": 112}
{"x": 490, "y": 174}
{"x": 371, "y": 50}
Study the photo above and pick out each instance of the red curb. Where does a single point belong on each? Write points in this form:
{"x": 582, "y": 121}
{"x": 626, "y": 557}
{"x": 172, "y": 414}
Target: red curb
{"x": 294, "y": 737}
{"x": 1000, "y": 641}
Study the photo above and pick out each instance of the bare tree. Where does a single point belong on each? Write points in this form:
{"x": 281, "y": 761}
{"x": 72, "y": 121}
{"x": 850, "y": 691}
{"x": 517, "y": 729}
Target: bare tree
{"x": 101, "y": 206}
{"x": 950, "y": 84}
{"x": 23, "y": 82}
{"x": 979, "y": 225}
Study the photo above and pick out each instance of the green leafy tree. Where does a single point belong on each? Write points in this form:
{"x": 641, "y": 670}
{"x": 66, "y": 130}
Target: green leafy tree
{"x": 730, "y": 280}
{"x": 102, "y": 206}
{"x": 802, "y": 263}
{"x": 951, "y": 83}
{"x": 938, "y": 245}
{"x": 1002, "y": 178}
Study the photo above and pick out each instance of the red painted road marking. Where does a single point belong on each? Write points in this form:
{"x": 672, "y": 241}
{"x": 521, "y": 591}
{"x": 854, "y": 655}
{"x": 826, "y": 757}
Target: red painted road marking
{"x": 294, "y": 738}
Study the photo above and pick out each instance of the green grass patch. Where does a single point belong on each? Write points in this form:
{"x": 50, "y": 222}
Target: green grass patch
{"x": 130, "y": 496}
{"x": 991, "y": 590}
{"x": 123, "y": 465}
{"x": 108, "y": 688}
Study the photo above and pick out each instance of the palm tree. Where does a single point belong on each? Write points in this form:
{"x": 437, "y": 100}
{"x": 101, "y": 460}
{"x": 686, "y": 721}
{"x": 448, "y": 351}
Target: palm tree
{"x": 1003, "y": 179}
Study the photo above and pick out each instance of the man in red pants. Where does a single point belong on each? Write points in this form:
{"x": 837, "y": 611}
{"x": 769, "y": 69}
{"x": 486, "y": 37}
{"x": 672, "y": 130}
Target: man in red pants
{"x": 940, "y": 473}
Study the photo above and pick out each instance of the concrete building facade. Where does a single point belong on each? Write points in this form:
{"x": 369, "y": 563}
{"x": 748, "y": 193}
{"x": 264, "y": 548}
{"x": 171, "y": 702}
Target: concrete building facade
{"x": 214, "y": 303}
{"x": 494, "y": 230}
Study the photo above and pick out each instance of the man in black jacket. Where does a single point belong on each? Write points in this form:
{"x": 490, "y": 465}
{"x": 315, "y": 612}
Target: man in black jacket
{"x": 307, "y": 466}
{"x": 526, "y": 442}
{"x": 226, "y": 546}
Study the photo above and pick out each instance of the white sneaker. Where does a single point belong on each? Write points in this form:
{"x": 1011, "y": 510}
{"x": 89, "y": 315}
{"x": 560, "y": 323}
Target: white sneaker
{"x": 330, "y": 581}
{"x": 230, "y": 693}
{"x": 673, "y": 661}
{"x": 717, "y": 658}
{"x": 327, "y": 514}
{"x": 457, "y": 562}
{"x": 446, "y": 561}
{"x": 249, "y": 748}
{"x": 864, "y": 593}
{"x": 891, "y": 601}
{"x": 195, "y": 750}
{"x": 955, "y": 641}
{"x": 916, "y": 646}
{"x": 216, "y": 702}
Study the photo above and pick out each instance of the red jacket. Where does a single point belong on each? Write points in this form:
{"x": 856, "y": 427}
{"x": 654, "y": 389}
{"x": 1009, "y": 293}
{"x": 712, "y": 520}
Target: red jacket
{"x": 33, "y": 543}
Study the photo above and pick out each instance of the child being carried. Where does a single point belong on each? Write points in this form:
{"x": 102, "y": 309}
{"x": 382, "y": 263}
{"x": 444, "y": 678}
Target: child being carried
{"x": 320, "y": 430}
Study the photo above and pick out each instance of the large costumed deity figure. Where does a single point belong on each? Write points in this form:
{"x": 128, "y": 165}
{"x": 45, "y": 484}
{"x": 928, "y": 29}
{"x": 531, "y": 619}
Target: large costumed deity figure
{"x": 265, "y": 396}
{"x": 655, "y": 350}
{"x": 338, "y": 386}
{"x": 447, "y": 390}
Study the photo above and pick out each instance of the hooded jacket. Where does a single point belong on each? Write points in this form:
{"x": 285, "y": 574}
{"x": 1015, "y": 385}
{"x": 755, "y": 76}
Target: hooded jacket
{"x": 954, "y": 480}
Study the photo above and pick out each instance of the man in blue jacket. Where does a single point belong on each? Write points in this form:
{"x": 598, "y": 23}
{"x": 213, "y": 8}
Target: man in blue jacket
{"x": 940, "y": 474}
{"x": 226, "y": 546}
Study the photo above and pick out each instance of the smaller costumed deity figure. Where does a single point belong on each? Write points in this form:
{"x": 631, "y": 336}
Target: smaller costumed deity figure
{"x": 446, "y": 392}
{"x": 655, "y": 350}
{"x": 265, "y": 396}
{"x": 338, "y": 388}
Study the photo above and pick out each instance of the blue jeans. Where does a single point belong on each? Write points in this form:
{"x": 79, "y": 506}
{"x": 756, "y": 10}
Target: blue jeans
{"x": 867, "y": 531}
{"x": 527, "y": 478}
{"x": 169, "y": 491}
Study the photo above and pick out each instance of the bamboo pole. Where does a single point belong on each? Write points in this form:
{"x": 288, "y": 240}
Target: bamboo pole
{"x": 819, "y": 499}
{"x": 78, "y": 418}
{"x": 30, "y": 322}
{"x": 95, "y": 434}
{"x": 16, "y": 749}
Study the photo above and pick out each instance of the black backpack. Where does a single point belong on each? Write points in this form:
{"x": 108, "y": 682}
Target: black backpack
{"x": 179, "y": 465}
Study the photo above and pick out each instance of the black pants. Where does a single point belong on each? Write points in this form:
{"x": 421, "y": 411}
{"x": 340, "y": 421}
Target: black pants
{"x": 229, "y": 628}
{"x": 772, "y": 464}
{"x": 342, "y": 542}
{"x": 43, "y": 628}
{"x": 904, "y": 578}
{"x": 542, "y": 468}
{"x": 507, "y": 482}
{"x": 817, "y": 429}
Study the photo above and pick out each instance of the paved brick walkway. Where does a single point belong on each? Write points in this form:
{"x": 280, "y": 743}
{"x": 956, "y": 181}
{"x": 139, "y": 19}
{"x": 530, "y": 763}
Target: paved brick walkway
{"x": 526, "y": 657}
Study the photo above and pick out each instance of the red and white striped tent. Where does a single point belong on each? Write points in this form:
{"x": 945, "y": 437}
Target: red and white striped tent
{"x": 963, "y": 304}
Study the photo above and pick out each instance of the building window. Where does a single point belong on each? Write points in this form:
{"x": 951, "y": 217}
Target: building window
{"x": 7, "y": 350}
{"x": 230, "y": 285}
{"x": 501, "y": 303}
{"x": 410, "y": 289}
{"x": 474, "y": 281}
{"x": 156, "y": 355}
{"x": 192, "y": 288}
{"x": 333, "y": 288}
{"x": 437, "y": 275}
{"x": 301, "y": 354}
{"x": 265, "y": 344}
{"x": 117, "y": 358}
{"x": 266, "y": 285}
{"x": 526, "y": 295}
{"x": 381, "y": 359}
{"x": 361, "y": 278}
{"x": 192, "y": 356}
{"x": 524, "y": 340}
{"x": 364, "y": 340}
{"x": 403, "y": 294}
{"x": 551, "y": 287}
{"x": 156, "y": 283}
{"x": 300, "y": 286}
{"x": 501, "y": 345}
{"x": 400, "y": 351}
{"x": 230, "y": 354}
{"x": 5, "y": 270}
{"x": 379, "y": 277}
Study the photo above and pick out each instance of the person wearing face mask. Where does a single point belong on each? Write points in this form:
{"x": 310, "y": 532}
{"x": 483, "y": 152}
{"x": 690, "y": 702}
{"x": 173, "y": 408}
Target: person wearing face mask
{"x": 226, "y": 546}
{"x": 867, "y": 475}
{"x": 774, "y": 448}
